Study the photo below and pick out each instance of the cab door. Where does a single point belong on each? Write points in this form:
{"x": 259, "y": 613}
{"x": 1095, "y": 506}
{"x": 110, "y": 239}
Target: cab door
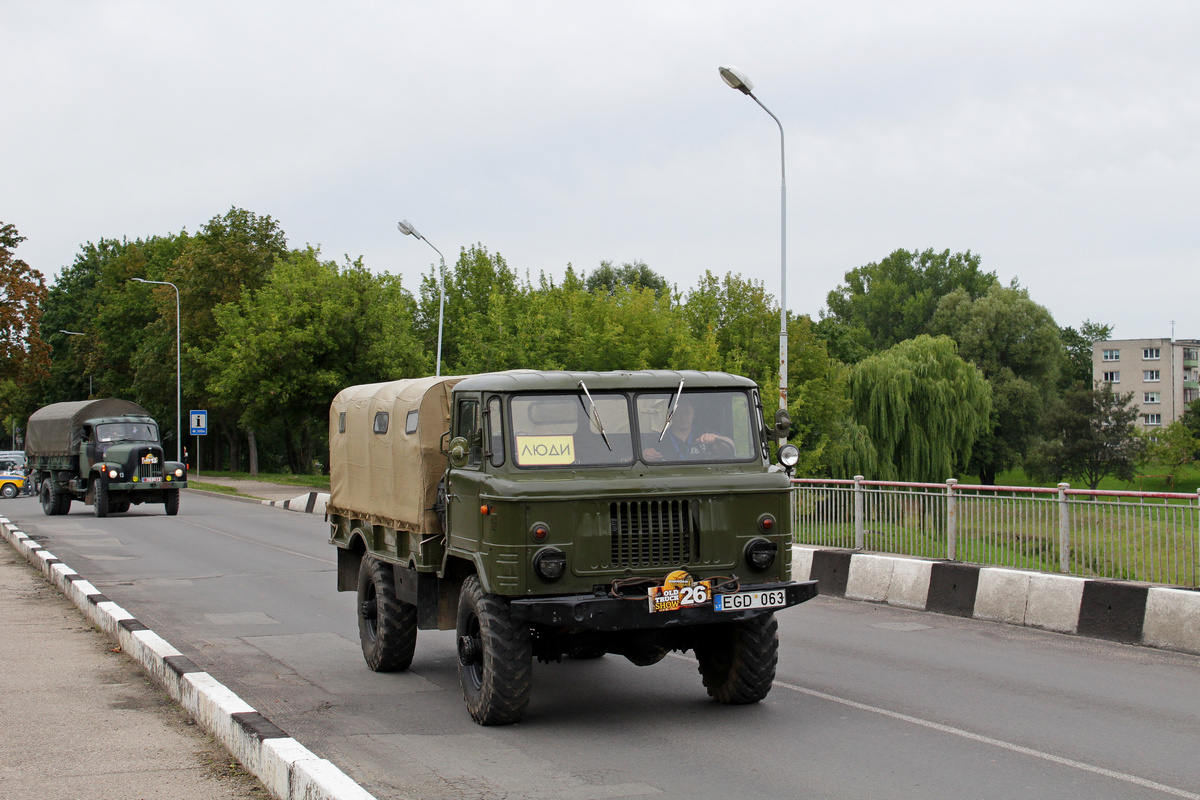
{"x": 463, "y": 517}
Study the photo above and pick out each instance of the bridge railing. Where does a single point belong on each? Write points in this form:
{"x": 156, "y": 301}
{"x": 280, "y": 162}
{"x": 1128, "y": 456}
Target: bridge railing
{"x": 1141, "y": 536}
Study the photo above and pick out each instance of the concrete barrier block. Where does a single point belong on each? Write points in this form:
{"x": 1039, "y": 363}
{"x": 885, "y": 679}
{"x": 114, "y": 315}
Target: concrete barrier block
{"x": 910, "y": 583}
{"x": 151, "y": 651}
{"x": 831, "y": 570}
{"x": 1053, "y": 602}
{"x": 1172, "y": 620}
{"x": 278, "y": 758}
{"x": 1002, "y": 595}
{"x": 1113, "y": 610}
{"x": 870, "y": 577}
{"x": 321, "y": 780}
{"x": 213, "y": 705}
{"x": 801, "y": 562}
{"x": 952, "y": 587}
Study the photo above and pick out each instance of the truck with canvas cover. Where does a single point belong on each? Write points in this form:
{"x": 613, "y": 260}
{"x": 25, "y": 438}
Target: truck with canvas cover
{"x": 105, "y": 453}
{"x": 551, "y": 514}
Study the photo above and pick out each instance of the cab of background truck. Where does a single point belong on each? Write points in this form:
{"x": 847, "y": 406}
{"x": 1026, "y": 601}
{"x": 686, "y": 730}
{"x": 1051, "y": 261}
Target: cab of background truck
{"x": 130, "y": 444}
{"x": 566, "y": 483}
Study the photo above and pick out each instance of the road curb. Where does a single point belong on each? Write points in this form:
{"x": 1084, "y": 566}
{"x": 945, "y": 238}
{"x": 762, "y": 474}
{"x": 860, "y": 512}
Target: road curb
{"x": 308, "y": 502}
{"x": 288, "y": 769}
{"x": 1120, "y": 611}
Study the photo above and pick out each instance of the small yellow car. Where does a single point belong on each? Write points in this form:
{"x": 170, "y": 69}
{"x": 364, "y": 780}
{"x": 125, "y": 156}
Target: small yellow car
{"x": 11, "y": 483}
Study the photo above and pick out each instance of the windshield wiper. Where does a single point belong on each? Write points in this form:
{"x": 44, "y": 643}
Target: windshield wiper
{"x": 671, "y": 411}
{"x": 595, "y": 414}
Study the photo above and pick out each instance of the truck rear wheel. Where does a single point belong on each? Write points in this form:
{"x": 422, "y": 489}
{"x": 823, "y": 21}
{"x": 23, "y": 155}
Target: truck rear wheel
{"x": 495, "y": 657}
{"x": 172, "y": 503}
{"x": 54, "y": 502}
{"x": 100, "y": 496}
{"x": 738, "y": 659}
{"x": 387, "y": 626}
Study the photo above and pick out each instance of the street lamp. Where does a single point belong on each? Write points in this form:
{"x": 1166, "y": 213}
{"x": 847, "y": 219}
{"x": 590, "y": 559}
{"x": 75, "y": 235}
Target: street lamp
{"x": 77, "y": 333}
{"x": 738, "y": 80}
{"x": 408, "y": 230}
{"x": 178, "y": 372}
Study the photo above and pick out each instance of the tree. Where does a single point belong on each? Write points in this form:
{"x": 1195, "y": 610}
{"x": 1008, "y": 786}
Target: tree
{"x": 635, "y": 275}
{"x": 1173, "y": 448}
{"x": 1077, "y": 345}
{"x": 922, "y": 406}
{"x": 819, "y": 405}
{"x": 1015, "y": 343}
{"x": 24, "y": 356}
{"x": 1090, "y": 434}
{"x": 895, "y": 299}
{"x": 737, "y": 316}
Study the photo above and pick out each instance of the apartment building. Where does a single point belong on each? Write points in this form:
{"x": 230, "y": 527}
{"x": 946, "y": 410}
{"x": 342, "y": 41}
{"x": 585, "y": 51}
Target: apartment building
{"x": 1164, "y": 375}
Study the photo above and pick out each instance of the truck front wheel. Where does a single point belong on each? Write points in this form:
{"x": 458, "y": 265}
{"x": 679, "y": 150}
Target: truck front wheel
{"x": 100, "y": 494}
{"x": 738, "y": 659}
{"x": 387, "y": 626}
{"x": 495, "y": 657}
{"x": 172, "y": 503}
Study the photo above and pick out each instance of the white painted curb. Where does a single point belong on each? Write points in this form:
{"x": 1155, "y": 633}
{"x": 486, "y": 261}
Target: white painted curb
{"x": 288, "y": 769}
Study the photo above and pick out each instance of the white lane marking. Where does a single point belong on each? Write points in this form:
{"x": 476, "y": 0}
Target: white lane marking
{"x": 975, "y": 737}
{"x": 1016, "y": 748}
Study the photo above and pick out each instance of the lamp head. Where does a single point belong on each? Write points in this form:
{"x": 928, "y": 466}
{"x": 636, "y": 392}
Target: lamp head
{"x": 407, "y": 229}
{"x": 737, "y": 79}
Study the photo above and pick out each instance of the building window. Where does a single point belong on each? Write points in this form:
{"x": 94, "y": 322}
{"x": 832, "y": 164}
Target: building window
{"x": 1151, "y": 397}
{"x": 1152, "y": 419}
{"x": 1112, "y": 355}
{"x": 1151, "y": 375}
{"x": 1151, "y": 354}
{"x": 1112, "y": 377}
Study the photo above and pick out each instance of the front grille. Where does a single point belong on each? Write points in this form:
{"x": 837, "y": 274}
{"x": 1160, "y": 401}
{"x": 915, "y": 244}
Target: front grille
{"x": 145, "y": 470}
{"x": 652, "y": 533}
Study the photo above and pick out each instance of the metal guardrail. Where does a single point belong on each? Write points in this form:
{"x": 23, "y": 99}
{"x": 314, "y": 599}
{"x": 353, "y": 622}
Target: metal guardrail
{"x": 1141, "y": 536}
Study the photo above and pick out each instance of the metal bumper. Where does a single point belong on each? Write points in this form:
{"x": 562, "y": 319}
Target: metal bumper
{"x": 622, "y": 614}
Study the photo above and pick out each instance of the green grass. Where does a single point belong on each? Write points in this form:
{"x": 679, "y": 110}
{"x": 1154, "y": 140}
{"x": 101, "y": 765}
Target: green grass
{"x": 1186, "y": 481}
{"x": 284, "y": 479}
{"x": 218, "y": 488}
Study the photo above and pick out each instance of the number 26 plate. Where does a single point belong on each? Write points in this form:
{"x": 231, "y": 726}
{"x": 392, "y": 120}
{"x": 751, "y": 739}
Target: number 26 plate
{"x": 749, "y": 601}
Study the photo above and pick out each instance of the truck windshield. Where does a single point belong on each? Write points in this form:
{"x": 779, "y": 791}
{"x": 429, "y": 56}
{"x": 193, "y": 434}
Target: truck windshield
{"x": 127, "y": 432}
{"x": 559, "y": 430}
{"x": 706, "y": 426}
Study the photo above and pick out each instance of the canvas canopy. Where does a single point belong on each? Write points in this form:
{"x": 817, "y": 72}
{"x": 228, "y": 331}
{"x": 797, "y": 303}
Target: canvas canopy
{"x": 54, "y": 430}
{"x": 385, "y": 469}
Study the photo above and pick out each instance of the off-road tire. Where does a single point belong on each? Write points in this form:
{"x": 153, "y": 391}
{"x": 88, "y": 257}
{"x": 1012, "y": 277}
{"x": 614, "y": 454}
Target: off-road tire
{"x": 387, "y": 626}
{"x": 738, "y": 659}
{"x": 118, "y": 508}
{"x": 9, "y": 490}
{"x": 172, "y": 502}
{"x": 498, "y": 682}
{"x": 54, "y": 502}
{"x": 100, "y": 498}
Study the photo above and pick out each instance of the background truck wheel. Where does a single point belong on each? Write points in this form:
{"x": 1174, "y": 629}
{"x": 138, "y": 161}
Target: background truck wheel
{"x": 9, "y": 490}
{"x": 172, "y": 503}
{"x": 495, "y": 657}
{"x": 118, "y": 508}
{"x": 54, "y": 502}
{"x": 387, "y": 627}
{"x": 738, "y": 659}
{"x": 101, "y": 498}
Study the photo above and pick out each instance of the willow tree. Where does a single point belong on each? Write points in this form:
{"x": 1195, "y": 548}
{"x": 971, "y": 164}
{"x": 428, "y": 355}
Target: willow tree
{"x": 923, "y": 407}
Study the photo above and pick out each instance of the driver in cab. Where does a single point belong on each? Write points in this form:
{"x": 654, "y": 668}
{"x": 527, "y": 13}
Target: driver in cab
{"x": 682, "y": 440}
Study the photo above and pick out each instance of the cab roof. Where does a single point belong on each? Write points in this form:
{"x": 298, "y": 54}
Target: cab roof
{"x": 549, "y": 381}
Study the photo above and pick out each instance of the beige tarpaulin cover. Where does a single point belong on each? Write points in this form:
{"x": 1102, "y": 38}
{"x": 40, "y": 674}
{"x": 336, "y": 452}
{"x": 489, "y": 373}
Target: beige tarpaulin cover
{"x": 389, "y": 478}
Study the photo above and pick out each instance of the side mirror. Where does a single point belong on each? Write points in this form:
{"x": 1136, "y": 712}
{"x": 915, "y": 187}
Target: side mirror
{"x": 460, "y": 448}
{"x": 783, "y": 425}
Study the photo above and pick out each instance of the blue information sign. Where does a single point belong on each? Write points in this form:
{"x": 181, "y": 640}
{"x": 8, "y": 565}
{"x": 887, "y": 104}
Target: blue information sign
{"x": 199, "y": 420}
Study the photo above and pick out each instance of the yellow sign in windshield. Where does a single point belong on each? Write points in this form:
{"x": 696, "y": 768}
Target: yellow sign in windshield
{"x": 534, "y": 450}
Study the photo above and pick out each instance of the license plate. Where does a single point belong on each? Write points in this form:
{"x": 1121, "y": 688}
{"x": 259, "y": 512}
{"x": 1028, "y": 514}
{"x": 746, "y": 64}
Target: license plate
{"x": 749, "y": 601}
{"x": 151, "y": 480}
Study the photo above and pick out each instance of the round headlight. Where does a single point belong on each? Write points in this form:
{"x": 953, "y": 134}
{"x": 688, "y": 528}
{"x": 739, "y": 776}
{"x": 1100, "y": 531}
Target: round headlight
{"x": 789, "y": 455}
{"x": 760, "y": 554}
{"x": 112, "y": 473}
{"x": 178, "y": 473}
{"x": 550, "y": 563}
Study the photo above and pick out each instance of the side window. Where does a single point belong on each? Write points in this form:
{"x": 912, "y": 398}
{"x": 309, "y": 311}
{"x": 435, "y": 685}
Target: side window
{"x": 410, "y": 422}
{"x": 495, "y": 432}
{"x": 381, "y": 422}
{"x": 467, "y": 426}
{"x": 341, "y": 422}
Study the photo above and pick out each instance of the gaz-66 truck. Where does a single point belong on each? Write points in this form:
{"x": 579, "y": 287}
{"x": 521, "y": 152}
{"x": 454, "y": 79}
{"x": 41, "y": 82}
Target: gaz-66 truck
{"x": 104, "y": 452}
{"x": 551, "y": 514}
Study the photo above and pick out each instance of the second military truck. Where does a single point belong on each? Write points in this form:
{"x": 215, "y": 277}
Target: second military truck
{"x": 551, "y": 514}
{"x": 105, "y": 453}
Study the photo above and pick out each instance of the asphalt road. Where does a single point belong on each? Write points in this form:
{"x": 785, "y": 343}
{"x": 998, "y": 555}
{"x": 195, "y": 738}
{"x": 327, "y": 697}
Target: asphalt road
{"x": 870, "y": 701}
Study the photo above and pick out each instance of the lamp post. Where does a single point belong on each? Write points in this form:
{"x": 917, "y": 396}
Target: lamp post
{"x": 77, "y": 333}
{"x": 408, "y": 230}
{"x": 178, "y": 372}
{"x": 738, "y": 80}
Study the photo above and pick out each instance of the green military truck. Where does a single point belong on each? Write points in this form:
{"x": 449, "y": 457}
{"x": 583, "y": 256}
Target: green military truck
{"x": 105, "y": 452}
{"x": 551, "y": 514}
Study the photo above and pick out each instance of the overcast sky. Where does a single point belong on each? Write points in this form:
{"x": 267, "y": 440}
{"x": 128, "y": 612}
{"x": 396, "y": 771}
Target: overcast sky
{"x": 1060, "y": 141}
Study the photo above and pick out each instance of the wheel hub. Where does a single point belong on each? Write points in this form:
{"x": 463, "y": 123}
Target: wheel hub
{"x": 470, "y": 652}
{"x": 368, "y": 610}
